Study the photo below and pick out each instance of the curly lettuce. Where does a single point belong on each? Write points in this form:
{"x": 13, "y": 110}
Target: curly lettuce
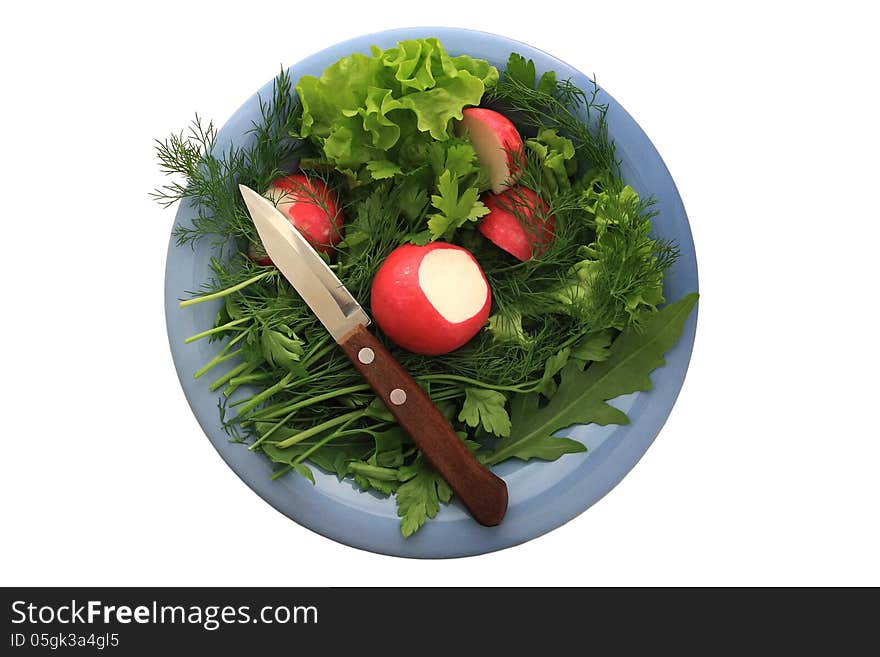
{"x": 557, "y": 158}
{"x": 366, "y": 111}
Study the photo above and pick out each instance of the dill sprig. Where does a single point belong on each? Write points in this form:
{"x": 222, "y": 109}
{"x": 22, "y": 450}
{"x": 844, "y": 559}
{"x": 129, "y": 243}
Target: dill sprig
{"x": 207, "y": 178}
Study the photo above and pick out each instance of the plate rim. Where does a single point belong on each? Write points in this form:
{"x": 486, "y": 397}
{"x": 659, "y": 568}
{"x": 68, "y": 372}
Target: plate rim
{"x": 340, "y": 525}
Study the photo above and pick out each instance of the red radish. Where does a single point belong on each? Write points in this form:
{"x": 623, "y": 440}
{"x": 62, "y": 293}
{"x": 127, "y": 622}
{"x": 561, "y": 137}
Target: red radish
{"x": 518, "y": 221}
{"x": 310, "y": 207}
{"x": 259, "y": 256}
{"x": 430, "y": 299}
{"x": 494, "y": 138}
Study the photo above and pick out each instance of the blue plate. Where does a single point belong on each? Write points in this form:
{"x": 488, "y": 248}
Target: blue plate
{"x": 543, "y": 496}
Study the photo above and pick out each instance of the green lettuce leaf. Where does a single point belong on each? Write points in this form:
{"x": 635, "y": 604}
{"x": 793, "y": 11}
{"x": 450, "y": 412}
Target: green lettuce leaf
{"x": 556, "y": 155}
{"x": 363, "y": 106}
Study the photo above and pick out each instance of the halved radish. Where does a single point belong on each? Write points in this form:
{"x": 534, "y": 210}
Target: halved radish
{"x": 430, "y": 299}
{"x": 494, "y": 138}
{"x": 519, "y": 222}
{"x": 311, "y": 208}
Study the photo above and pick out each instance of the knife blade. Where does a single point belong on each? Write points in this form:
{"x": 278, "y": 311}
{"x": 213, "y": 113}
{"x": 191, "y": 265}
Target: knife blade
{"x": 307, "y": 271}
{"x": 482, "y": 493}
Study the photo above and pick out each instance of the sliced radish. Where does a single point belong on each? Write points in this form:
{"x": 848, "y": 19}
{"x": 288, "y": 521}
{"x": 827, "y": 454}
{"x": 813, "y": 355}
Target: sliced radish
{"x": 518, "y": 221}
{"x": 311, "y": 208}
{"x": 494, "y": 138}
{"x": 430, "y": 299}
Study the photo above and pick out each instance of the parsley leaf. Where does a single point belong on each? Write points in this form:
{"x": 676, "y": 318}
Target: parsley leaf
{"x": 547, "y": 83}
{"x": 455, "y": 210}
{"x": 282, "y": 350}
{"x": 381, "y": 169}
{"x": 486, "y": 407}
{"x": 419, "y": 497}
{"x": 459, "y": 179}
{"x": 522, "y": 70}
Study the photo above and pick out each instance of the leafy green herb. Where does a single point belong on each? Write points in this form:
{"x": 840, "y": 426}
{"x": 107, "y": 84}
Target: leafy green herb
{"x": 622, "y": 273}
{"x": 522, "y": 71}
{"x": 459, "y": 181}
{"x": 583, "y": 393}
{"x": 419, "y": 497}
{"x": 508, "y": 328}
{"x": 556, "y": 155}
{"x": 483, "y": 407}
{"x": 560, "y": 105}
{"x": 209, "y": 179}
{"x": 454, "y": 208}
{"x": 283, "y": 349}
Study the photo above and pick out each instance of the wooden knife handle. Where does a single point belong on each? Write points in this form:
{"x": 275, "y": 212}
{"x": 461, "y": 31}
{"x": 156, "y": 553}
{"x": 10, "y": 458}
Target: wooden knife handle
{"x": 484, "y": 494}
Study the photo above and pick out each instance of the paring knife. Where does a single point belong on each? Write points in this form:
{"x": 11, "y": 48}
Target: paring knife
{"x": 484, "y": 494}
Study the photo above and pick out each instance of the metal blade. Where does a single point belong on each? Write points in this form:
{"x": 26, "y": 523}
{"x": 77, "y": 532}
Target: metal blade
{"x": 309, "y": 274}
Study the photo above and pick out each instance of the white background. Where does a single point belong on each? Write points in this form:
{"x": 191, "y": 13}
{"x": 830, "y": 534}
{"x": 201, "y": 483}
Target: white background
{"x": 767, "y": 470}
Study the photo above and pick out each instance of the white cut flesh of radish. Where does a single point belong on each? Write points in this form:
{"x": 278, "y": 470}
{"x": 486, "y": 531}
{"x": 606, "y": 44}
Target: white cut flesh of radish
{"x": 490, "y": 151}
{"x": 453, "y": 284}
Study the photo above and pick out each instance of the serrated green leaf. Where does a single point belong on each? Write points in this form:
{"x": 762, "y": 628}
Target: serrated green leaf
{"x": 582, "y": 394}
{"x": 523, "y": 71}
{"x": 421, "y": 238}
{"x": 547, "y": 83}
{"x": 461, "y": 159}
{"x": 556, "y": 154}
{"x": 520, "y": 69}
{"x": 419, "y": 497}
{"x": 282, "y": 350}
{"x": 487, "y": 408}
{"x": 455, "y": 209}
{"x": 412, "y": 199}
{"x": 381, "y": 169}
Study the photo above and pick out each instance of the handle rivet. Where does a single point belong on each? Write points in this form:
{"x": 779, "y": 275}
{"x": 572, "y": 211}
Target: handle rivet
{"x": 367, "y": 356}
{"x": 397, "y": 396}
